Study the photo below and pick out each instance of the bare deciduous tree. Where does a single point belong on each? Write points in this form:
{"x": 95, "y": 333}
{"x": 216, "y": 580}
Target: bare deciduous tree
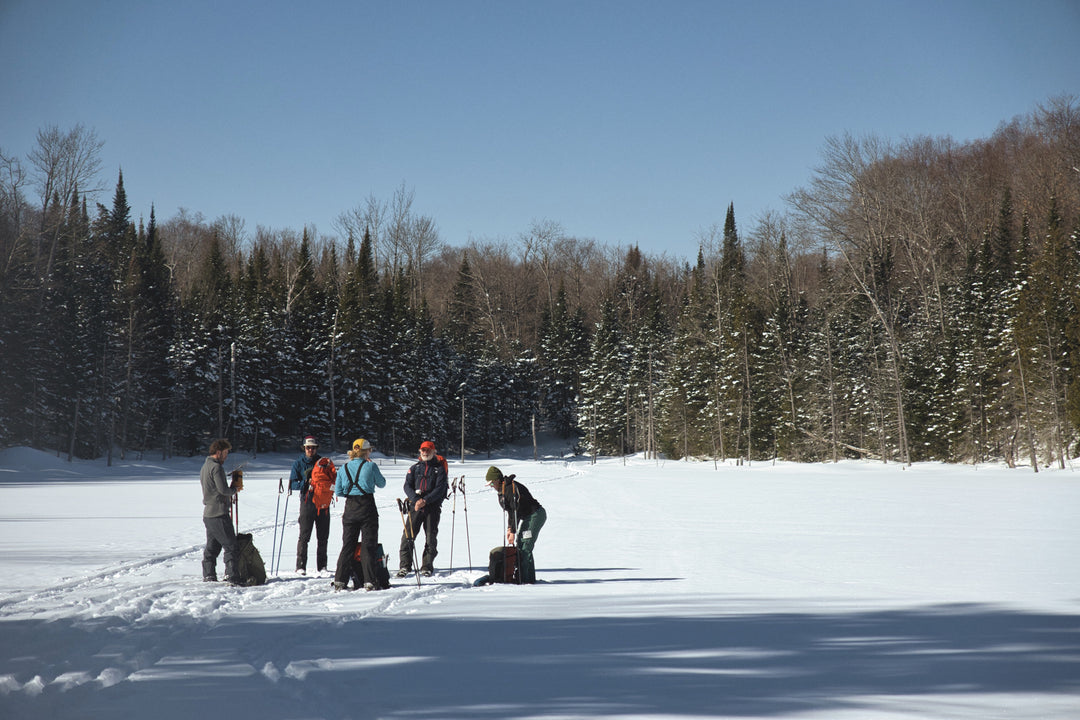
{"x": 62, "y": 162}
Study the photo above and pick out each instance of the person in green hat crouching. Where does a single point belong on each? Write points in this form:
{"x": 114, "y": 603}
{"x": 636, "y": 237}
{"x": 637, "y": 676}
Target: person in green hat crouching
{"x": 525, "y": 518}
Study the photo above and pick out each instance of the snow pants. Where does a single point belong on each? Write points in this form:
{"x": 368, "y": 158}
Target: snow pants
{"x": 428, "y": 519}
{"x": 359, "y": 521}
{"x": 526, "y": 541}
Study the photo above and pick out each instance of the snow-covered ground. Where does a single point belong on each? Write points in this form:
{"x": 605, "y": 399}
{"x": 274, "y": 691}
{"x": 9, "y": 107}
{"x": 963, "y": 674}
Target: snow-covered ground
{"x": 850, "y": 591}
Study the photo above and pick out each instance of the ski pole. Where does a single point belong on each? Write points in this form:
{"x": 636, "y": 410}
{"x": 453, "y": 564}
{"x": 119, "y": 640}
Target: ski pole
{"x": 512, "y": 509}
{"x": 284, "y": 519}
{"x": 277, "y": 514}
{"x": 505, "y": 518}
{"x": 237, "y": 475}
{"x": 403, "y": 508}
{"x": 453, "y": 520}
{"x": 465, "y": 505}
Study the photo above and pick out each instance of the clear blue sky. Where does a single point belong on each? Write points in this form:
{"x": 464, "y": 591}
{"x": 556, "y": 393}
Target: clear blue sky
{"x": 624, "y": 121}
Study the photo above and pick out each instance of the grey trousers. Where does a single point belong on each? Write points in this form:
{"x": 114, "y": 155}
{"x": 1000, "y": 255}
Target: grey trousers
{"x": 219, "y": 536}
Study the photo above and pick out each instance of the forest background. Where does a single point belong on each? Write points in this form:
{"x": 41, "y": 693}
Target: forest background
{"x": 919, "y": 299}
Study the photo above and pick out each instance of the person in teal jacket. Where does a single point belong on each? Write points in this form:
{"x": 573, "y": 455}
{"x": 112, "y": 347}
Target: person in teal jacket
{"x": 356, "y": 482}
{"x": 310, "y": 517}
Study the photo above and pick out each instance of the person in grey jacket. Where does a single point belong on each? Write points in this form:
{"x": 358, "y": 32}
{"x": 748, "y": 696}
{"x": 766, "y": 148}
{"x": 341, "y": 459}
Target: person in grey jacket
{"x": 217, "y": 504}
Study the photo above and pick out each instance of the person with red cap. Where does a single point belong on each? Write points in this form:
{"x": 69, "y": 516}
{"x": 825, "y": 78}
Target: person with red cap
{"x": 426, "y": 485}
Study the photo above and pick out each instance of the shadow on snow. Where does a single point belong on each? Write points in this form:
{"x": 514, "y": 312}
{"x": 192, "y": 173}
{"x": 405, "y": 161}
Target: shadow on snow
{"x": 743, "y": 664}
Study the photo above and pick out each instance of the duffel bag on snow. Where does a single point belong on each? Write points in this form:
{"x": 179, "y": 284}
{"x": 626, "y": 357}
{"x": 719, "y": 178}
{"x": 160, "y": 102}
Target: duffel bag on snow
{"x": 502, "y": 565}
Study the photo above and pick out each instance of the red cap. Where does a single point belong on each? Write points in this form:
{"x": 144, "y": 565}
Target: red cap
{"x": 427, "y": 445}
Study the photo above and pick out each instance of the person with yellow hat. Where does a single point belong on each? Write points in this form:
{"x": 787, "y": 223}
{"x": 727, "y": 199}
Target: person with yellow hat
{"x": 360, "y": 520}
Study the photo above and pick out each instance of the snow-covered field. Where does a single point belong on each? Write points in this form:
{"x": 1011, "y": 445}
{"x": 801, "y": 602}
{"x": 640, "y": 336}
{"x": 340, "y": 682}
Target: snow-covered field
{"x": 685, "y": 590}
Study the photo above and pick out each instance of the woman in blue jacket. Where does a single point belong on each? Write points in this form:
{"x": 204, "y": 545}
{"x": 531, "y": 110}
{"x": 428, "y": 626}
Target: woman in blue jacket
{"x": 356, "y": 482}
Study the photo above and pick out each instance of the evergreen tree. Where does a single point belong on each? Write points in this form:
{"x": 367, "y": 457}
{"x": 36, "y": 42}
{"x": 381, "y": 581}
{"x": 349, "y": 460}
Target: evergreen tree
{"x": 649, "y": 355}
{"x": 824, "y": 414}
{"x": 563, "y": 350}
{"x": 201, "y": 357}
{"x": 732, "y": 389}
{"x": 362, "y": 352}
{"x": 1046, "y": 306}
{"x": 305, "y": 353}
{"x": 687, "y": 428}
{"x": 259, "y": 335}
{"x": 1072, "y": 338}
{"x": 462, "y": 312}
{"x": 77, "y": 307}
{"x": 604, "y": 385}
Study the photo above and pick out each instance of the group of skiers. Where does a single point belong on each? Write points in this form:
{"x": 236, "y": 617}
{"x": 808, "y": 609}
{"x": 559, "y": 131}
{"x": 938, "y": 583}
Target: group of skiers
{"x": 426, "y": 487}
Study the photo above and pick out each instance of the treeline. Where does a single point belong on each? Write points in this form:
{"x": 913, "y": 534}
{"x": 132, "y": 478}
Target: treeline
{"x": 919, "y": 300}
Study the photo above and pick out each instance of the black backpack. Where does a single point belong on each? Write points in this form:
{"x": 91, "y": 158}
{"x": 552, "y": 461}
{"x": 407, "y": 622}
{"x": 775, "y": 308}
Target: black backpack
{"x": 249, "y": 563}
{"x": 382, "y": 573}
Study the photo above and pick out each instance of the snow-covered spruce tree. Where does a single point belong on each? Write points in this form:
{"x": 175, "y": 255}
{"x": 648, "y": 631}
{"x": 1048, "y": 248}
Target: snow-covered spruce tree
{"x": 602, "y": 410}
{"x": 200, "y": 357}
{"x": 428, "y": 359}
{"x": 563, "y": 350}
{"x": 1045, "y": 306}
{"x": 360, "y": 353}
{"x": 125, "y": 319}
{"x": 688, "y": 427}
{"x": 1072, "y": 335}
{"x": 824, "y": 413}
{"x": 649, "y": 359}
{"x": 778, "y": 356}
{"x": 393, "y": 398}
{"x": 1000, "y": 262}
{"x": 303, "y": 356}
{"x": 149, "y": 301}
{"x": 76, "y": 306}
{"x": 259, "y": 333}
{"x": 732, "y": 396}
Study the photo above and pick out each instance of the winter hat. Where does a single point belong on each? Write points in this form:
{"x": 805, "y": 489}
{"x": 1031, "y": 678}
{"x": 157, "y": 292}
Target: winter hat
{"x": 310, "y": 441}
{"x": 427, "y": 445}
{"x": 361, "y": 444}
{"x": 494, "y": 475}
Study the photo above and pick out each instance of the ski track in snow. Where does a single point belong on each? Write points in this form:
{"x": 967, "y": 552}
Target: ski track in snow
{"x": 883, "y": 593}
{"x": 118, "y": 603}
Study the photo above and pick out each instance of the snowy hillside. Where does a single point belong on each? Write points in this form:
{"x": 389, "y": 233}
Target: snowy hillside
{"x": 858, "y": 590}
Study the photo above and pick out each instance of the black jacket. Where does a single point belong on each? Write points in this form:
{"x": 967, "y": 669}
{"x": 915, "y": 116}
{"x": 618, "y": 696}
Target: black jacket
{"x": 518, "y": 502}
{"x": 427, "y": 479}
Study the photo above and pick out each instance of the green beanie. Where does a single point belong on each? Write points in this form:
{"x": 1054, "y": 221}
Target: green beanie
{"x": 494, "y": 475}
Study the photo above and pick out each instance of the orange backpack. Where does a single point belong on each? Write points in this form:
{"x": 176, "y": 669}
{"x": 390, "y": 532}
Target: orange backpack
{"x": 446, "y": 468}
{"x": 323, "y": 476}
